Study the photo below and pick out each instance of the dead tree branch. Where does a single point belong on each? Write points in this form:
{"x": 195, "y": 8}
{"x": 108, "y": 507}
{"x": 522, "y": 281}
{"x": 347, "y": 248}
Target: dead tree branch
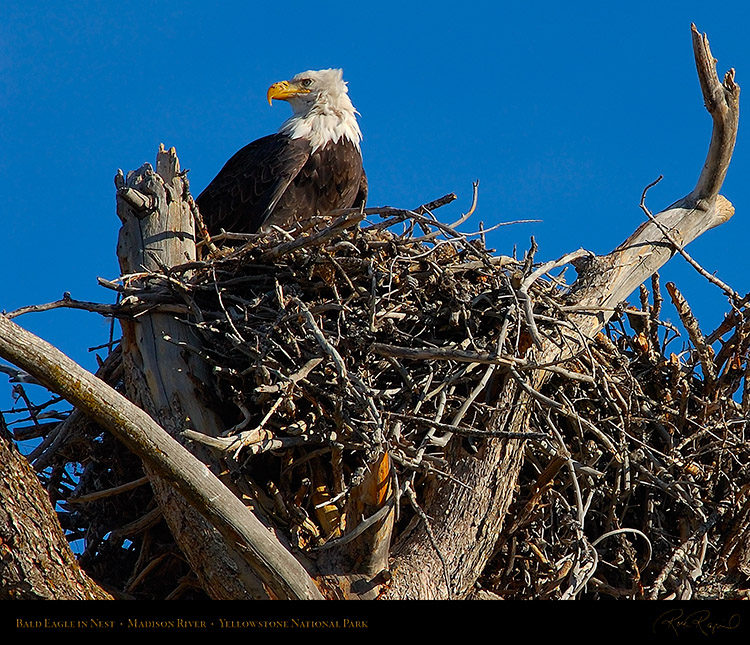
{"x": 603, "y": 283}
{"x": 172, "y": 461}
{"x": 379, "y": 399}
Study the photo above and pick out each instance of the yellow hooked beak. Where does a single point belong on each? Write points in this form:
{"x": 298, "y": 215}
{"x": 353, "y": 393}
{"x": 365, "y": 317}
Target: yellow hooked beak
{"x": 284, "y": 90}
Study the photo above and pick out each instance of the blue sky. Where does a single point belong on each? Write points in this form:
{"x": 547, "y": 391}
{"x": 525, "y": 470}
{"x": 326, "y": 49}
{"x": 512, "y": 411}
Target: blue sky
{"x": 563, "y": 111}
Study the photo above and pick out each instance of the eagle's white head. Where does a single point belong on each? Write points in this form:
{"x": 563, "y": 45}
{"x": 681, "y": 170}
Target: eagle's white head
{"x": 323, "y": 112}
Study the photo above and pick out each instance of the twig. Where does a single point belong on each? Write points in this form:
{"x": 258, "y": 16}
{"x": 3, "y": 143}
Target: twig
{"x": 703, "y": 349}
{"x": 68, "y": 303}
{"x": 731, "y": 293}
{"x": 681, "y": 552}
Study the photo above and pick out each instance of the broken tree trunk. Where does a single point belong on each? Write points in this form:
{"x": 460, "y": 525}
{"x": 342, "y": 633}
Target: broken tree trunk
{"x": 461, "y": 521}
{"x": 431, "y": 562}
{"x": 157, "y": 234}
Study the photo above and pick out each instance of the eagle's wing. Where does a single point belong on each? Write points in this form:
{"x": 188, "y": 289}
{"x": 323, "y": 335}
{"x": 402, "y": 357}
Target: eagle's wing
{"x": 360, "y": 201}
{"x": 248, "y": 187}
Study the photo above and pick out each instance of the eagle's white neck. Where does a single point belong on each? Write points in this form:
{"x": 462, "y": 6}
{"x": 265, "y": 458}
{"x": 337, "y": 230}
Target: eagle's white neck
{"x": 329, "y": 119}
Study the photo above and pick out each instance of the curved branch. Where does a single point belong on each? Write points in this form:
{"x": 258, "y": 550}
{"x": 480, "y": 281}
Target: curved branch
{"x": 608, "y": 280}
{"x": 136, "y": 429}
{"x": 603, "y": 283}
{"x": 722, "y": 102}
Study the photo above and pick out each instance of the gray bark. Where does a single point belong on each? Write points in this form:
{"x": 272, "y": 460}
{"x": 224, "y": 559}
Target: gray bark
{"x": 158, "y": 232}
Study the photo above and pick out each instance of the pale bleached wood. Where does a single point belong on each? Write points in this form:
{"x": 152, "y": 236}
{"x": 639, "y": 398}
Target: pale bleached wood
{"x": 158, "y": 233}
{"x": 137, "y": 430}
{"x": 468, "y": 519}
{"x": 722, "y": 100}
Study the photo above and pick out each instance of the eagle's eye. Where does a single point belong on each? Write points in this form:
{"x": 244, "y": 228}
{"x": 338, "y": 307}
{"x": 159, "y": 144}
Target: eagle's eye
{"x": 306, "y": 82}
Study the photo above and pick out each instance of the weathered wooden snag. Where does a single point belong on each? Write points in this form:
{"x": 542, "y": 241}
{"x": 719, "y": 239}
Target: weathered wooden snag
{"x": 346, "y": 414}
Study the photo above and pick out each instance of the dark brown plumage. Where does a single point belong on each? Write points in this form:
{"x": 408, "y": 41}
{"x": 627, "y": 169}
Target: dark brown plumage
{"x": 312, "y": 166}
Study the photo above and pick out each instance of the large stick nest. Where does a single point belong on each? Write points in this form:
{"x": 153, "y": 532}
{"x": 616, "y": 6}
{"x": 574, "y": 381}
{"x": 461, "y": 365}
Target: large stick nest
{"x": 349, "y": 342}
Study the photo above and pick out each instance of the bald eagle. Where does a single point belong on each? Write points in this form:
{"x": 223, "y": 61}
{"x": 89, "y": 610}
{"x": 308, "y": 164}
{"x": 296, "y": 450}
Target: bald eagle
{"x": 311, "y": 166}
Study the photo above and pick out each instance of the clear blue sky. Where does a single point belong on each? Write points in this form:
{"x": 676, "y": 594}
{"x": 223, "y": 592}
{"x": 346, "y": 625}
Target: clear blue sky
{"x": 563, "y": 111}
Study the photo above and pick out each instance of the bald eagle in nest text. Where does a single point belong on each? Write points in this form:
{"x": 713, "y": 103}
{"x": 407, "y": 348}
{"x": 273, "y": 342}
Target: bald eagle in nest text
{"x": 311, "y": 166}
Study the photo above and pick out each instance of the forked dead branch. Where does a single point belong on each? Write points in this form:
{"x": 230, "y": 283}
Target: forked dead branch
{"x": 380, "y": 406}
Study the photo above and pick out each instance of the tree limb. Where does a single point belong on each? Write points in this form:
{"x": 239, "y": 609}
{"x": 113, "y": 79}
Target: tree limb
{"x": 283, "y": 574}
{"x": 722, "y": 102}
{"x": 603, "y": 283}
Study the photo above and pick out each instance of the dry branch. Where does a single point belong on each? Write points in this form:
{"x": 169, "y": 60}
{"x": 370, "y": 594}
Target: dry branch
{"x": 145, "y": 438}
{"x": 378, "y": 398}
{"x": 603, "y": 283}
